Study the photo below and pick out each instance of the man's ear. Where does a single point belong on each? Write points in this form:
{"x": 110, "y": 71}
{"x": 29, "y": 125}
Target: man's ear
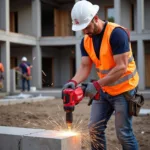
{"x": 96, "y": 18}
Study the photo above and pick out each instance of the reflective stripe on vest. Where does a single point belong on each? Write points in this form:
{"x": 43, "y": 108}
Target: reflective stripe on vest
{"x": 125, "y": 78}
{"x": 107, "y": 71}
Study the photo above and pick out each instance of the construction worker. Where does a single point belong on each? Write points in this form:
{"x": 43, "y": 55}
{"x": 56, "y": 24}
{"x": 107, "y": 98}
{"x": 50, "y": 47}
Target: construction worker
{"x": 25, "y": 67}
{"x": 108, "y": 46}
{"x": 1, "y": 75}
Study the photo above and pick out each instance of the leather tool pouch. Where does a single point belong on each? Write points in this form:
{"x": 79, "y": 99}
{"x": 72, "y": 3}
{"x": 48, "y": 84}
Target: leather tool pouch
{"x": 135, "y": 101}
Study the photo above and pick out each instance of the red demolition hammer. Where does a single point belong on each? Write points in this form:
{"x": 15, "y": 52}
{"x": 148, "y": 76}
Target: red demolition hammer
{"x": 72, "y": 97}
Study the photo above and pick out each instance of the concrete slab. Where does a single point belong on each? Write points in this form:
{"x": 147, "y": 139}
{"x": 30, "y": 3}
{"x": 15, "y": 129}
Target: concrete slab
{"x": 19, "y": 96}
{"x": 4, "y": 102}
{"x": 13, "y": 138}
{"x": 144, "y": 112}
{"x": 18, "y": 131}
{"x": 56, "y": 92}
{"x": 44, "y": 92}
{"x": 146, "y": 94}
{"x": 10, "y": 137}
{"x": 13, "y": 101}
{"x": 52, "y": 140}
{"x": 3, "y": 94}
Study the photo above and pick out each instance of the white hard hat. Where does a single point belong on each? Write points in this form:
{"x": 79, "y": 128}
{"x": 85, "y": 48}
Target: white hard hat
{"x": 24, "y": 59}
{"x": 82, "y": 13}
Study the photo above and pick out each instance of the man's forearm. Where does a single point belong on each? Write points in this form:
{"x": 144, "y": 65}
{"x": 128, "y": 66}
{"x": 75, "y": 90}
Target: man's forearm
{"x": 82, "y": 74}
{"x": 113, "y": 76}
{"x": 17, "y": 68}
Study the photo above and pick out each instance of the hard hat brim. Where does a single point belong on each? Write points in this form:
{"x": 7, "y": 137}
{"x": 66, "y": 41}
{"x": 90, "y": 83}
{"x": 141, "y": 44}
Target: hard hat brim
{"x": 79, "y": 27}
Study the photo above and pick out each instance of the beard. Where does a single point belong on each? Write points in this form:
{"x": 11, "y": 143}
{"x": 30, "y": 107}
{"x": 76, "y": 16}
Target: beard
{"x": 90, "y": 34}
{"x": 95, "y": 31}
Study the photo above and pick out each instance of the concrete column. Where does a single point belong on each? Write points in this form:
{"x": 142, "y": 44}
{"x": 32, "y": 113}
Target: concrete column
{"x": 4, "y": 15}
{"x": 78, "y": 55}
{"x": 36, "y": 51}
{"x": 36, "y": 18}
{"x": 5, "y": 58}
{"x": 141, "y": 64}
{"x": 117, "y": 7}
{"x": 78, "y": 51}
{"x": 79, "y": 36}
{"x": 36, "y": 71}
{"x": 12, "y": 81}
{"x": 140, "y": 16}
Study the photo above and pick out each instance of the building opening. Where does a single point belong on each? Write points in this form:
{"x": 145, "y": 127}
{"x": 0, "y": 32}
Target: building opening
{"x": 55, "y": 21}
{"x": 47, "y": 72}
{"x": 72, "y": 67}
{"x": 14, "y": 22}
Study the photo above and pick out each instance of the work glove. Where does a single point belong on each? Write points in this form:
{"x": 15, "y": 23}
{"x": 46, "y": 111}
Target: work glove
{"x": 92, "y": 89}
{"x": 70, "y": 84}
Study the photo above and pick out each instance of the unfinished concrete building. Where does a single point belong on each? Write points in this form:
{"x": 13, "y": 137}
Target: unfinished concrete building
{"x": 41, "y": 31}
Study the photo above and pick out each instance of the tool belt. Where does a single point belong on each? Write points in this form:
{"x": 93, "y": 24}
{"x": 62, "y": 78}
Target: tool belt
{"x": 1, "y": 84}
{"x": 135, "y": 102}
{"x": 27, "y": 77}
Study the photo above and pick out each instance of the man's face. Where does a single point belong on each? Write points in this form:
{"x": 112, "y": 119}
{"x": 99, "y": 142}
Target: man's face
{"x": 91, "y": 29}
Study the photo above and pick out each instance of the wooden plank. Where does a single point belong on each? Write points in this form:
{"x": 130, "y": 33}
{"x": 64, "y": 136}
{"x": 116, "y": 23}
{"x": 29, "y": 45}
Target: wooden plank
{"x": 147, "y": 70}
{"x": 68, "y": 24}
{"x": 62, "y": 23}
{"x": 70, "y": 32}
{"x": 67, "y": 30}
{"x": 13, "y": 62}
{"x": 12, "y": 22}
{"x": 56, "y": 22}
{"x": 62, "y": 20}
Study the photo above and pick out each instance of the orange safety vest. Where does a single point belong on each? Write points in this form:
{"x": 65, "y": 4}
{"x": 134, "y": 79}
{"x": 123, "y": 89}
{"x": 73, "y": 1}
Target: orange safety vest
{"x": 1, "y": 67}
{"x": 129, "y": 80}
{"x": 28, "y": 69}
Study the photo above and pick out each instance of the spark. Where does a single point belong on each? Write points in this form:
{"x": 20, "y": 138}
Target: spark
{"x": 69, "y": 133}
{"x": 69, "y": 127}
{"x": 79, "y": 127}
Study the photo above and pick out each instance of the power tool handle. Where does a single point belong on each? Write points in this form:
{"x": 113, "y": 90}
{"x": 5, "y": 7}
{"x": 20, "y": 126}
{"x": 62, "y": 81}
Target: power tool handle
{"x": 84, "y": 86}
{"x": 90, "y": 101}
{"x": 96, "y": 97}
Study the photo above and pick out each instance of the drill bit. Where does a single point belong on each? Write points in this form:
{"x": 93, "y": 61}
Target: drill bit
{"x": 69, "y": 126}
{"x": 69, "y": 119}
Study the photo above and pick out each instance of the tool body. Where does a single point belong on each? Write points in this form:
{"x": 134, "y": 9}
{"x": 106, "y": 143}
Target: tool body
{"x": 72, "y": 97}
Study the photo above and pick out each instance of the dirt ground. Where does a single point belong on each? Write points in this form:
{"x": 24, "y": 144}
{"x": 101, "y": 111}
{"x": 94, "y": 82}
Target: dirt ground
{"x": 49, "y": 113}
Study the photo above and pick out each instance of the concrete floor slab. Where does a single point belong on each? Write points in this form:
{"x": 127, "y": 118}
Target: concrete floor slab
{"x": 4, "y": 102}
{"x": 11, "y": 137}
{"x": 56, "y": 92}
{"x": 18, "y": 131}
{"x": 144, "y": 112}
{"x": 29, "y": 100}
{"x": 52, "y": 140}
